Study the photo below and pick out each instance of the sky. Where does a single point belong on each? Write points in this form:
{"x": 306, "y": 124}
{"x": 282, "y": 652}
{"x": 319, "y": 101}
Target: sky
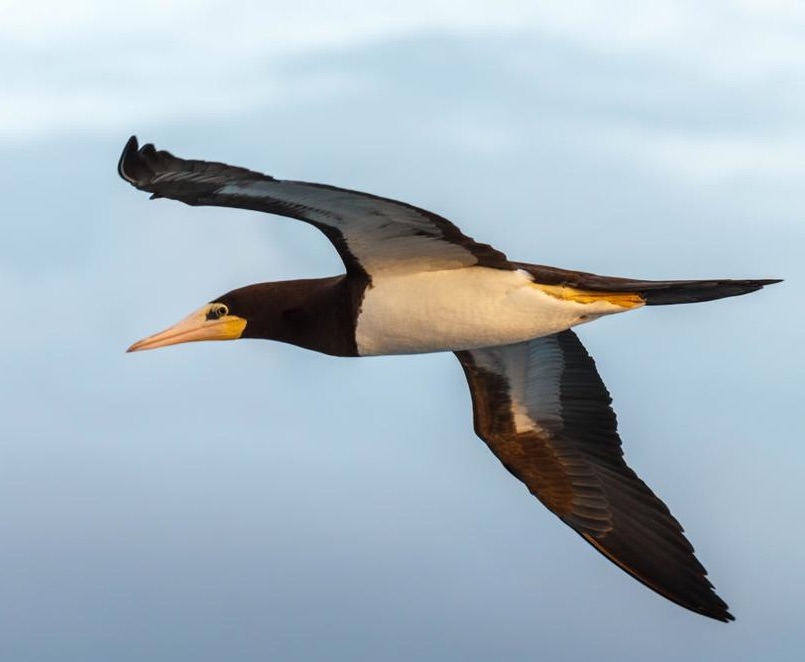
{"x": 255, "y": 501}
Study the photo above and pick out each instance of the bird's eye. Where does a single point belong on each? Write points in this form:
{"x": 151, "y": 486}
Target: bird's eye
{"x": 217, "y": 311}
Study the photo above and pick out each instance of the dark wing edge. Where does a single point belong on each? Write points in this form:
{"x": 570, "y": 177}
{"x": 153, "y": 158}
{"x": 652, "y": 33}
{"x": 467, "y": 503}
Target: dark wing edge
{"x": 572, "y": 461}
{"x": 197, "y": 182}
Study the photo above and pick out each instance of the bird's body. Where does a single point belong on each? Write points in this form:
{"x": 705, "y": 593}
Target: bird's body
{"x": 413, "y": 284}
{"x": 465, "y": 308}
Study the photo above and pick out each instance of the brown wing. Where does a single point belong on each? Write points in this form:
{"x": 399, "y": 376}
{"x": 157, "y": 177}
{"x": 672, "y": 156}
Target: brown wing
{"x": 543, "y": 410}
{"x": 370, "y": 233}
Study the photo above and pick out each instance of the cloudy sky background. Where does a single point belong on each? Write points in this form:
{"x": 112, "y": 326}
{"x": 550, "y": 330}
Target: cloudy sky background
{"x": 253, "y": 501}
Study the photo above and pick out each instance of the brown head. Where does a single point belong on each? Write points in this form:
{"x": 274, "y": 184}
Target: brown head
{"x": 316, "y": 314}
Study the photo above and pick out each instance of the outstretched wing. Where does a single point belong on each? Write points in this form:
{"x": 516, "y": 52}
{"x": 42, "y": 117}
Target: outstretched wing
{"x": 543, "y": 410}
{"x": 370, "y": 233}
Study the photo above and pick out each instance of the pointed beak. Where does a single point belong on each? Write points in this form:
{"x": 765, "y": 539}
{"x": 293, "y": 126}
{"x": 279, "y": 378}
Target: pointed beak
{"x": 193, "y": 328}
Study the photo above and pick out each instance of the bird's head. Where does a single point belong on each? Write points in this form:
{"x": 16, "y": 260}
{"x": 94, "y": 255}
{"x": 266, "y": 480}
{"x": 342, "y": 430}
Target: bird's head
{"x": 225, "y": 318}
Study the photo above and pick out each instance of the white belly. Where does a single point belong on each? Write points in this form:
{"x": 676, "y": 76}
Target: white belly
{"x": 462, "y": 309}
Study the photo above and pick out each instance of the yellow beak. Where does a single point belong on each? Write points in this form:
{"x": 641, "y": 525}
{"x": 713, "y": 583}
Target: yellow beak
{"x": 193, "y": 328}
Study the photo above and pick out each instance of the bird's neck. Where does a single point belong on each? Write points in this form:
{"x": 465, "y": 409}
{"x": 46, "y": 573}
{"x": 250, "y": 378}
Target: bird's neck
{"x": 317, "y": 314}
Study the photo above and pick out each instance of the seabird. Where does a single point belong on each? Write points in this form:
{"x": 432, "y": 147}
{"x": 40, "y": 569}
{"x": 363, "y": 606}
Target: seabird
{"x": 415, "y": 283}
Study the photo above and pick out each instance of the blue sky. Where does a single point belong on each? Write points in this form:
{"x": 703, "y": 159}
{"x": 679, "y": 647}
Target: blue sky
{"x": 253, "y": 501}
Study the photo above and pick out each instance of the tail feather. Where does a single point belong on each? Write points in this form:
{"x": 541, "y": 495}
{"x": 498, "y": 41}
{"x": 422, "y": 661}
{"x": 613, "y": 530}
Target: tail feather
{"x": 663, "y": 293}
{"x": 654, "y": 292}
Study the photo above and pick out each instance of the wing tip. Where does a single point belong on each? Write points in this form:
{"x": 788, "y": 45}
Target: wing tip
{"x": 726, "y": 617}
{"x": 715, "y": 608}
{"x": 703, "y": 602}
{"x": 138, "y": 165}
{"x": 717, "y": 612}
{"x": 131, "y": 164}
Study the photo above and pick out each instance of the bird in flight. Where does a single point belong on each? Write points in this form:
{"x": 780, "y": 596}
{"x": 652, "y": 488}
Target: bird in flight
{"x": 414, "y": 283}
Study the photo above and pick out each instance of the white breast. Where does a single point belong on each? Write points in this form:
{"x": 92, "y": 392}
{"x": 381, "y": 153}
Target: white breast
{"x": 409, "y": 313}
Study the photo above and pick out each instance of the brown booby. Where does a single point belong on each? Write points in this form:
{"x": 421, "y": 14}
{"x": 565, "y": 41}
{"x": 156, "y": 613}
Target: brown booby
{"x": 415, "y": 283}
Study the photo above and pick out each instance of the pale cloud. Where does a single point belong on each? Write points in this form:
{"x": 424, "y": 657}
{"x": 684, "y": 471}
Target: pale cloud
{"x": 90, "y": 67}
{"x": 782, "y": 8}
{"x": 35, "y": 113}
{"x": 708, "y": 158}
{"x": 722, "y": 33}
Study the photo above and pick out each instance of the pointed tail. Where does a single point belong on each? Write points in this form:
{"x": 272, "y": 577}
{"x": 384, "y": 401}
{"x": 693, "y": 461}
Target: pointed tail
{"x": 653, "y": 292}
{"x": 663, "y": 293}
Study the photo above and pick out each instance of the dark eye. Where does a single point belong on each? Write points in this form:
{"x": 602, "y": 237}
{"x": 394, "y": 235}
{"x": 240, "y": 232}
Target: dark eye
{"x": 217, "y": 311}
